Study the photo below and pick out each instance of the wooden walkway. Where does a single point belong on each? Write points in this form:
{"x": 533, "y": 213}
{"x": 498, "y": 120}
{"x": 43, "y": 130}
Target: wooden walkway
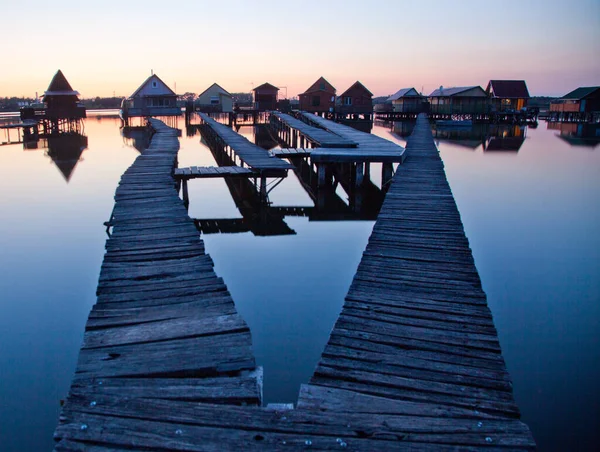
{"x": 164, "y": 329}
{"x": 201, "y": 172}
{"x": 413, "y": 362}
{"x": 415, "y": 336}
{"x": 250, "y": 154}
{"x": 340, "y": 155}
{"x": 316, "y": 135}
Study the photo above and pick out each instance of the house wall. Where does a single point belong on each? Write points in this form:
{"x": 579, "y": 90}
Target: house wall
{"x": 224, "y": 99}
{"x": 567, "y": 106}
{"x": 265, "y": 98}
{"x": 326, "y": 101}
{"x": 408, "y": 105}
{"x": 361, "y": 101}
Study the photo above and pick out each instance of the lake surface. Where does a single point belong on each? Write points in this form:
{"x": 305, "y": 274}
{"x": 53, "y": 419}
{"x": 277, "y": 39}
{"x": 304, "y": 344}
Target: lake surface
{"x": 532, "y": 217}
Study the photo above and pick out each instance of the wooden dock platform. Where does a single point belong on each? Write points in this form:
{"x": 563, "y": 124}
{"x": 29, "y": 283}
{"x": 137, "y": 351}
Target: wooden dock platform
{"x": 315, "y": 135}
{"x": 250, "y": 154}
{"x": 202, "y": 172}
{"x": 367, "y": 142}
{"x": 413, "y": 362}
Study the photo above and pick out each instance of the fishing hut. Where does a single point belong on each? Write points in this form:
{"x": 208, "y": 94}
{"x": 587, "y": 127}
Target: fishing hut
{"x": 319, "y": 97}
{"x": 580, "y": 105}
{"x": 152, "y": 98}
{"x": 407, "y": 103}
{"x": 355, "y": 102}
{"x": 507, "y": 95}
{"x": 265, "y": 97}
{"x": 464, "y": 102}
{"x": 61, "y": 111}
{"x": 214, "y": 99}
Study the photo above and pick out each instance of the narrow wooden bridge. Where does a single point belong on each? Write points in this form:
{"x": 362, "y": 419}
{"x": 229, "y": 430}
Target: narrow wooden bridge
{"x": 413, "y": 362}
{"x": 300, "y": 132}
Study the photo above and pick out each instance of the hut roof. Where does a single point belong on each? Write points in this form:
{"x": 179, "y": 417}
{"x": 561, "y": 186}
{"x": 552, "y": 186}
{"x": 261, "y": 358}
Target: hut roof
{"x": 223, "y": 90}
{"x": 266, "y": 85}
{"x": 453, "y": 91}
{"x": 580, "y": 93}
{"x": 405, "y": 92}
{"x": 315, "y": 87}
{"x": 508, "y": 89}
{"x": 169, "y": 91}
{"x": 59, "y": 86}
{"x": 358, "y": 85}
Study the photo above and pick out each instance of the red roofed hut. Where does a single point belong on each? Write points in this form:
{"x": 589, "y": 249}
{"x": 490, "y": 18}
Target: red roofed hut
{"x": 320, "y": 97}
{"x": 265, "y": 97}
{"x": 356, "y": 100}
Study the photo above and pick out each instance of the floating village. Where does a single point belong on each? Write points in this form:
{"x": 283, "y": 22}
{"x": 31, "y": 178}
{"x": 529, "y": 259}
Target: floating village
{"x": 413, "y": 361}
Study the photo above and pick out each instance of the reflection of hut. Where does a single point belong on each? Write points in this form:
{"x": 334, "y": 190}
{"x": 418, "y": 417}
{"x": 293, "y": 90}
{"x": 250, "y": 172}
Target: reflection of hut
{"x": 407, "y": 100}
{"x": 356, "y": 100}
{"x": 471, "y": 136}
{"x": 578, "y": 134}
{"x": 215, "y": 99}
{"x": 65, "y": 150}
{"x": 136, "y": 137}
{"x": 62, "y": 101}
{"x": 265, "y": 97}
{"x": 458, "y": 100}
{"x": 152, "y": 98}
{"x": 319, "y": 97}
{"x": 505, "y": 138}
{"x": 507, "y": 95}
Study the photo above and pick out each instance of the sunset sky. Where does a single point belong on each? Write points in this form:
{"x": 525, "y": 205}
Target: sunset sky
{"x": 108, "y": 47}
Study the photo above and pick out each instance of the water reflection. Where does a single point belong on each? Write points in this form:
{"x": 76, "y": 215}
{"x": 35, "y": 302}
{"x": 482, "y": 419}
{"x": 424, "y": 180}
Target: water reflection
{"x": 65, "y": 150}
{"x": 576, "y": 134}
{"x": 137, "y": 137}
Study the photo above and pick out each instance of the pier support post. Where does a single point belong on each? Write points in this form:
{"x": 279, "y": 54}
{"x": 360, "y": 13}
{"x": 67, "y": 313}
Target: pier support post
{"x": 367, "y": 172}
{"x": 359, "y": 173}
{"x": 263, "y": 187}
{"x": 186, "y": 197}
{"x": 387, "y": 170}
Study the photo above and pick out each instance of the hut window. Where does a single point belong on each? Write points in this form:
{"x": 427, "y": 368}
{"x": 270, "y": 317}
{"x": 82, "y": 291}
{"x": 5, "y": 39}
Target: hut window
{"x": 214, "y": 100}
{"x": 154, "y": 84}
{"x": 347, "y": 101}
{"x": 316, "y": 101}
{"x": 322, "y": 85}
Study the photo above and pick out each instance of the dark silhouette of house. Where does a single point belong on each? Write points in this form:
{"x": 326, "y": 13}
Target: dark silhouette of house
{"x": 355, "y": 100}
{"x": 320, "y": 97}
{"x": 407, "y": 100}
{"x": 265, "y": 97}
{"x": 507, "y": 95}
{"x": 459, "y": 100}
{"x": 61, "y": 100}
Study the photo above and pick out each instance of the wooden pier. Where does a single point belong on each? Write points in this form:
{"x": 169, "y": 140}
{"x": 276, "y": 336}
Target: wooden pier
{"x": 247, "y": 153}
{"x": 298, "y": 132}
{"x": 413, "y": 362}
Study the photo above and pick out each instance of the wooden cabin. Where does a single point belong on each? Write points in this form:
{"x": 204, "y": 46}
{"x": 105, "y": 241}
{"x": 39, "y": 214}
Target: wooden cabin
{"x": 320, "y": 97}
{"x": 408, "y": 100}
{"x": 61, "y": 101}
{"x": 265, "y": 97}
{"x": 355, "y": 100}
{"x": 507, "y": 95}
{"x": 215, "y": 99}
{"x": 581, "y": 100}
{"x": 458, "y": 100}
{"x": 152, "y": 98}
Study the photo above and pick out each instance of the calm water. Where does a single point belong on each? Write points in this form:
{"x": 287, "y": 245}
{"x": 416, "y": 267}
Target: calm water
{"x": 532, "y": 218}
